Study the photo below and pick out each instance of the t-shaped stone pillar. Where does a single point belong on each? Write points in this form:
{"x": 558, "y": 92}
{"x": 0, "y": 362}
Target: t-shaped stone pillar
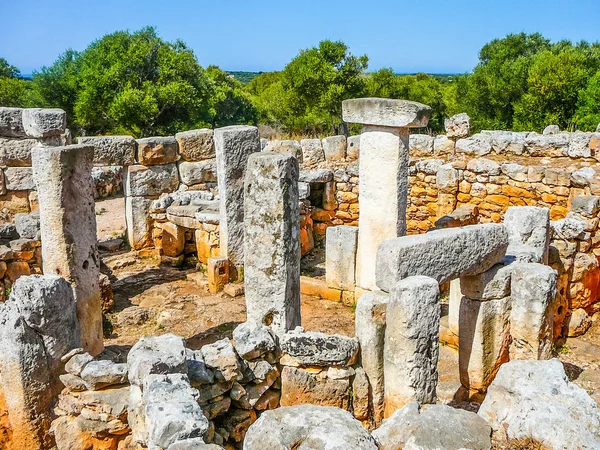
{"x": 383, "y": 173}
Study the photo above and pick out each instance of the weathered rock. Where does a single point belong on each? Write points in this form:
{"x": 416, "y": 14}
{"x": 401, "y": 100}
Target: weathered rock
{"x": 431, "y": 427}
{"x": 68, "y": 230}
{"x": 28, "y": 225}
{"x": 319, "y": 349}
{"x": 483, "y": 165}
{"x": 370, "y": 332}
{"x": 197, "y": 172}
{"x": 300, "y": 386}
{"x": 582, "y": 177}
{"x": 421, "y": 144}
{"x": 411, "y": 343}
{"x": 137, "y": 217}
{"x": 484, "y": 328}
{"x": 171, "y": 422}
{"x": 193, "y": 444}
{"x": 534, "y": 399}
{"x": 111, "y": 150}
{"x": 479, "y": 144}
{"x": 468, "y": 250}
{"x": 579, "y": 323}
{"x": 491, "y": 284}
{"x": 33, "y": 338}
{"x": 568, "y": 228}
{"x": 77, "y": 363}
{"x": 310, "y": 427}
{"x": 233, "y": 146}
{"x": 39, "y": 123}
{"x": 352, "y": 147}
{"x": 334, "y": 148}
{"x": 73, "y": 433}
{"x": 316, "y": 176}
{"x": 312, "y": 151}
{"x": 223, "y": 360}
{"x": 528, "y": 230}
{"x": 19, "y": 179}
{"x": 533, "y": 292}
{"x": 579, "y": 145}
{"x": 386, "y": 112}
{"x": 151, "y": 180}
{"x": 196, "y": 145}
{"x": 551, "y": 129}
{"x": 429, "y": 166}
{"x": 16, "y": 152}
{"x": 156, "y": 355}
{"x": 547, "y": 145}
{"x": 458, "y": 126}
{"x": 272, "y": 240}
{"x": 252, "y": 339}
{"x": 586, "y": 205}
{"x": 340, "y": 252}
{"x": 157, "y": 150}
{"x": 11, "y": 122}
{"x": 100, "y": 374}
{"x": 286, "y": 146}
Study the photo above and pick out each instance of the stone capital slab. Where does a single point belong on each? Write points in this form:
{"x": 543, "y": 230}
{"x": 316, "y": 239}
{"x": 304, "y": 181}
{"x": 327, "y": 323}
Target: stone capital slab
{"x": 386, "y": 112}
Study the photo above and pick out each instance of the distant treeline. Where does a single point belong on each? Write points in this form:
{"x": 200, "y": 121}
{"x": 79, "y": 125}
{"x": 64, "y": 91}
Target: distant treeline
{"x": 139, "y": 84}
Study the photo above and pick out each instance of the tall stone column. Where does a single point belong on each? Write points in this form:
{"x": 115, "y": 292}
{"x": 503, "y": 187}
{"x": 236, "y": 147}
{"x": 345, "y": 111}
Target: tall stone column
{"x": 68, "y": 228}
{"x": 272, "y": 240}
{"x": 233, "y": 146}
{"x": 411, "y": 343}
{"x": 383, "y": 173}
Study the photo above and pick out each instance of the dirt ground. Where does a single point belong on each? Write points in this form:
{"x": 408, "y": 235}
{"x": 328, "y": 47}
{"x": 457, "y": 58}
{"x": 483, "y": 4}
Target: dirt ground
{"x": 150, "y": 299}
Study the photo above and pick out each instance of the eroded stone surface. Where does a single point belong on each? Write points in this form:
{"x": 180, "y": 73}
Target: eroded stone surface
{"x": 111, "y": 150}
{"x": 319, "y": 349}
{"x": 386, "y": 112}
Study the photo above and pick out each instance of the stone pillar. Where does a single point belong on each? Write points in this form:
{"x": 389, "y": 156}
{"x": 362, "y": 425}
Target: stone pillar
{"x": 454, "y": 299}
{"x": 272, "y": 240}
{"x": 233, "y": 146}
{"x": 533, "y": 292}
{"x": 411, "y": 343}
{"x": 370, "y": 332}
{"x": 383, "y": 173}
{"x": 340, "y": 254}
{"x": 38, "y": 325}
{"x": 68, "y": 229}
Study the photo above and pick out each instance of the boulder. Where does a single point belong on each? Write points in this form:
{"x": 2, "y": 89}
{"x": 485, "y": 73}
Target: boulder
{"x": 458, "y": 126}
{"x": 40, "y": 123}
{"x": 432, "y": 427}
{"x": 319, "y": 349}
{"x": 308, "y": 427}
{"x": 156, "y": 355}
{"x": 252, "y": 339}
{"x": 11, "y": 122}
{"x": 535, "y": 399}
{"x": 551, "y": 129}
{"x": 101, "y": 374}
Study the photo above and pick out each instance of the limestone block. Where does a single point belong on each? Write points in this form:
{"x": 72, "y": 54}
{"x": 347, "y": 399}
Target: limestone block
{"x": 458, "y": 126}
{"x": 330, "y": 202}
{"x": 319, "y": 349}
{"x": 568, "y": 228}
{"x": 514, "y": 171}
{"x": 101, "y": 374}
{"x": 157, "y": 150}
{"x": 272, "y": 240}
{"x": 484, "y": 328}
{"x": 16, "y": 152}
{"x": 28, "y": 225}
{"x": 308, "y": 427}
{"x": 433, "y": 427}
{"x": 139, "y": 224}
{"x": 370, "y": 332}
{"x": 447, "y": 179}
{"x": 312, "y": 151}
{"x": 151, "y": 180}
{"x": 218, "y": 273}
{"x": 173, "y": 239}
{"x": 221, "y": 357}
{"x": 340, "y": 253}
{"x": 411, "y": 343}
{"x": 442, "y": 145}
{"x": 454, "y": 300}
{"x": 441, "y": 254}
{"x": 171, "y": 422}
{"x": 421, "y": 145}
{"x": 491, "y": 284}
{"x": 483, "y": 165}
{"x": 286, "y": 146}
{"x": 196, "y": 145}
{"x": 40, "y": 123}
{"x": 197, "y": 172}
{"x": 111, "y": 150}
{"x": 68, "y": 230}
{"x": 479, "y": 144}
{"x": 579, "y": 145}
{"x": 156, "y": 355}
{"x": 548, "y": 145}
{"x": 299, "y": 386}
{"x": 352, "y": 148}
{"x": 303, "y": 190}
{"x": 551, "y": 129}
{"x": 429, "y": 166}
{"x": 19, "y": 179}
{"x": 586, "y": 205}
{"x": 233, "y": 146}
{"x": 334, "y": 148}
{"x": 383, "y": 189}
{"x": 38, "y": 325}
{"x": 386, "y": 112}
{"x": 11, "y": 122}
{"x": 252, "y": 340}
{"x": 535, "y": 399}
{"x": 533, "y": 292}
{"x": 582, "y": 177}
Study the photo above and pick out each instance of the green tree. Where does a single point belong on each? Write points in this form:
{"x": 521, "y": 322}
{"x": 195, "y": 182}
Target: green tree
{"x": 229, "y": 103}
{"x": 13, "y": 91}
{"x": 8, "y": 71}
{"x": 588, "y": 111}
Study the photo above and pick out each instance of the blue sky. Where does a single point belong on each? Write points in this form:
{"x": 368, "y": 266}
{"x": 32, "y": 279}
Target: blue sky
{"x": 435, "y": 36}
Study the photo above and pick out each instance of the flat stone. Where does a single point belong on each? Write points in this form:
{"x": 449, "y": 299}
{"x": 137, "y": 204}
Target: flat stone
{"x": 386, "y": 112}
{"x": 110, "y": 245}
{"x": 193, "y": 444}
{"x": 535, "y": 399}
{"x": 316, "y": 176}
{"x": 441, "y": 254}
{"x": 491, "y": 284}
{"x": 334, "y": 148}
{"x": 252, "y": 339}
{"x": 77, "y": 363}
{"x": 39, "y": 123}
{"x": 151, "y": 180}
{"x": 111, "y": 150}
{"x": 303, "y": 386}
{"x": 171, "y": 422}
{"x": 433, "y": 427}
{"x": 319, "y": 349}
{"x": 100, "y": 374}
{"x": 308, "y": 426}
{"x": 156, "y": 355}
{"x": 196, "y": 145}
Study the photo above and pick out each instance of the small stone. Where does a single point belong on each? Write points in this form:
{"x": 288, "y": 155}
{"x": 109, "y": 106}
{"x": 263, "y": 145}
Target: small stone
{"x": 551, "y": 129}
{"x": 222, "y": 358}
{"x": 77, "y": 363}
{"x": 39, "y": 123}
{"x": 156, "y": 355}
{"x": 72, "y": 382}
{"x": 318, "y": 349}
{"x": 196, "y": 145}
{"x": 458, "y": 126}
{"x": 233, "y": 289}
{"x": 100, "y": 374}
{"x": 252, "y": 339}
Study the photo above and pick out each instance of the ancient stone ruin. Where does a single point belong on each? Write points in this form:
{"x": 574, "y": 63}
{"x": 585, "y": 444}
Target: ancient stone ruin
{"x": 510, "y": 249}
